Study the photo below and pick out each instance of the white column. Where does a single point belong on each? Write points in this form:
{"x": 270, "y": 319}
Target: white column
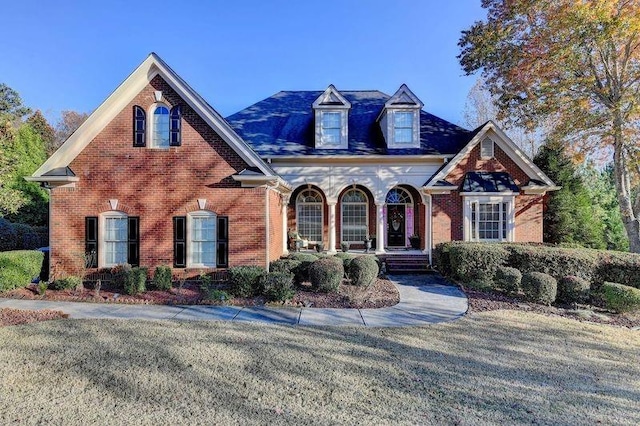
{"x": 380, "y": 233}
{"x": 332, "y": 227}
{"x": 427, "y": 226}
{"x": 285, "y": 229}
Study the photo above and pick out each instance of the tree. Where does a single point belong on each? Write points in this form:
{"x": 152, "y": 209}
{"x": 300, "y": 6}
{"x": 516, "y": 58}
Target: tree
{"x": 575, "y": 62}
{"x": 68, "y": 123}
{"x": 480, "y": 107}
{"x": 569, "y": 216}
{"x": 11, "y": 104}
{"x": 42, "y": 127}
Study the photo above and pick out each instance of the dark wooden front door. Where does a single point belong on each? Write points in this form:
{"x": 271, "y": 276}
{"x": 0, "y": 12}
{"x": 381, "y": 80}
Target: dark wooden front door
{"x": 396, "y": 233}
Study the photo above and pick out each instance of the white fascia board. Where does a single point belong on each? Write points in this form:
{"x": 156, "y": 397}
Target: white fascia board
{"x": 255, "y": 181}
{"x": 490, "y": 194}
{"x": 506, "y": 144}
{"x": 359, "y": 158}
{"x": 124, "y": 93}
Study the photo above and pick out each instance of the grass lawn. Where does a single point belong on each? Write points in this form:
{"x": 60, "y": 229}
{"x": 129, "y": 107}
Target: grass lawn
{"x": 501, "y": 367}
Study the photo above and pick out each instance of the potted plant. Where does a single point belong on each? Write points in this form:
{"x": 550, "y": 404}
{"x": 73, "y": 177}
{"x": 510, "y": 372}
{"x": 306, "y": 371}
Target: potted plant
{"x": 415, "y": 241}
{"x": 319, "y": 247}
{"x": 344, "y": 246}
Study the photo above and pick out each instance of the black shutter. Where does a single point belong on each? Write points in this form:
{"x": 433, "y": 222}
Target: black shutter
{"x": 174, "y": 129}
{"x": 139, "y": 126}
{"x": 91, "y": 241}
{"x": 133, "y": 247}
{"x": 180, "y": 242}
{"x": 222, "y": 247}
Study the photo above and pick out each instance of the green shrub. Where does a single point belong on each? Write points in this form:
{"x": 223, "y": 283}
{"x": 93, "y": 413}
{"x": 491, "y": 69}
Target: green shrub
{"x": 67, "y": 283}
{"x": 287, "y": 266}
{"x": 215, "y": 294}
{"x": 476, "y": 261}
{"x": 618, "y": 267}
{"x": 135, "y": 281}
{"x": 619, "y": 297}
{"x": 245, "y": 280}
{"x": 346, "y": 258}
{"x": 508, "y": 279}
{"x": 119, "y": 275}
{"x": 539, "y": 287}
{"x": 572, "y": 289}
{"x": 555, "y": 261}
{"x": 442, "y": 260}
{"x": 326, "y": 274}
{"x": 18, "y": 268}
{"x": 278, "y": 286}
{"x": 479, "y": 285}
{"x": 363, "y": 271}
{"x": 162, "y": 278}
{"x": 302, "y": 270}
{"x": 8, "y": 236}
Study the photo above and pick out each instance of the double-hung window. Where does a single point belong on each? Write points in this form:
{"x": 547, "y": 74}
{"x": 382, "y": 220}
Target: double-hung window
{"x": 331, "y": 128}
{"x": 403, "y": 127}
{"x": 489, "y": 219}
{"x": 112, "y": 239}
{"x": 201, "y": 240}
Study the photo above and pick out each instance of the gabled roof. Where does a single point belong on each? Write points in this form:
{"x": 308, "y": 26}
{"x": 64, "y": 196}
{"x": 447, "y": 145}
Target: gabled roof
{"x": 120, "y": 98}
{"x": 403, "y": 98}
{"x": 283, "y": 125}
{"x": 331, "y": 98}
{"x": 488, "y": 182}
{"x": 506, "y": 144}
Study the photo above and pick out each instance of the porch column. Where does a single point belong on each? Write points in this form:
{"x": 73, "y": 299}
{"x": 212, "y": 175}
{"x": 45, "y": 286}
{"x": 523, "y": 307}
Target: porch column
{"x": 332, "y": 227}
{"x": 285, "y": 222}
{"x": 427, "y": 226}
{"x": 380, "y": 232}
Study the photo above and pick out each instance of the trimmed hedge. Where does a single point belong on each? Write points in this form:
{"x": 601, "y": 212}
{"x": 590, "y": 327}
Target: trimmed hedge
{"x": 18, "y": 268}
{"x": 245, "y": 280}
{"x": 287, "y": 266}
{"x": 302, "y": 270}
{"x": 67, "y": 283}
{"x": 326, "y": 274}
{"x": 346, "y": 258}
{"x": 162, "y": 278}
{"x": 572, "y": 289}
{"x": 508, "y": 279}
{"x": 620, "y": 298}
{"x": 119, "y": 274}
{"x": 135, "y": 281}
{"x": 278, "y": 286}
{"x": 363, "y": 271}
{"x": 20, "y": 236}
{"x": 539, "y": 287}
{"x": 468, "y": 262}
{"x": 476, "y": 261}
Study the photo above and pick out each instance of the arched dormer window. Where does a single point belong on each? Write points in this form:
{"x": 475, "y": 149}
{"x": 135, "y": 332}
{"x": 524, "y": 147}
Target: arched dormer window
{"x": 166, "y": 126}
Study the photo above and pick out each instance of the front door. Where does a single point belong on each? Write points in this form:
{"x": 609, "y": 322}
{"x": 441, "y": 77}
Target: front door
{"x": 396, "y": 233}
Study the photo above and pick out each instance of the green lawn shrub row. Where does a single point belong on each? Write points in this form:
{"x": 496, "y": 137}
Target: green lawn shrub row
{"x": 363, "y": 271}
{"x": 19, "y": 236}
{"x": 470, "y": 262}
{"x": 18, "y": 268}
{"x": 162, "y": 279}
{"x": 619, "y": 298}
{"x": 326, "y": 274}
{"x": 245, "y": 281}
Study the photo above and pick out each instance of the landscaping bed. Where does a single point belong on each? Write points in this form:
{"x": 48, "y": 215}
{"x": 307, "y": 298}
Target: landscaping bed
{"x": 10, "y": 316}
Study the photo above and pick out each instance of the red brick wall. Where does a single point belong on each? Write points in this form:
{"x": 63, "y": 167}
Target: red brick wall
{"x": 157, "y": 184}
{"x": 448, "y": 210}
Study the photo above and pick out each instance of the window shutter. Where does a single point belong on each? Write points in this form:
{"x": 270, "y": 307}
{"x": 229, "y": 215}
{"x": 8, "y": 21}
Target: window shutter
{"x": 133, "y": 246}
{"x": 91, "y": 241}
{"x": 139, "y": 126}
{"x": 222, "y": 246}
{"x": 180, "y": 242}
{"x": 175, "y": 128}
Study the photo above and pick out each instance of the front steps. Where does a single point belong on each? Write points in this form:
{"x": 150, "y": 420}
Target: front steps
{"x": 406, "y": 263}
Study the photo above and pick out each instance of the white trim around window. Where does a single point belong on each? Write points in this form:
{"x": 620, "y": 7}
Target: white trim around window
{"x": 331, "y": 128}
{"x": 407, "y": 122}
{"x": 310, "y": 215}
{"x": 113, "y": 239}
{"x": 489, "y": 218}
{"x": 201, "y": 239}
{"x": 354, "y": 225}
{"x": 159, "y": 138}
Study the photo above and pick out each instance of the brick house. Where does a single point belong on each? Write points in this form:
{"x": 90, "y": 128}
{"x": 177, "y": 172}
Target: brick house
{"x": 156, "y": 176}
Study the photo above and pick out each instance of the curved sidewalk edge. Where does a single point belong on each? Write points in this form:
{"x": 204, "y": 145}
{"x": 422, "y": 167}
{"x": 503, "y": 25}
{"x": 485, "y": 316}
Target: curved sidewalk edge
{"x": 424, "y": 299}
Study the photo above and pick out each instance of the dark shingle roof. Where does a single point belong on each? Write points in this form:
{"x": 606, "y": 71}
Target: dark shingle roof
{"x": 283, "y": 125}
{"x": 60, "y": 171}
{"x": 488, "y": 182}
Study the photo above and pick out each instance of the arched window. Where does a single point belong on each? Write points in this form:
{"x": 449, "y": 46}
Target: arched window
{"x": 309, "y": 217}
{"x": 160, "y": 130}
{"x": 398, "y": 196}
{"x": 355, "y": 216}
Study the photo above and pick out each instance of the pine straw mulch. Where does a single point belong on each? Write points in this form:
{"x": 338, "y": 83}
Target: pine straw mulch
{"x": 481, "y": 301}
{"x": 10, "y": 316}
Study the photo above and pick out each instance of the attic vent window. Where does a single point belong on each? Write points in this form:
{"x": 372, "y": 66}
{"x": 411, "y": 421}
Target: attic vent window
{"x": 486, "y": 149}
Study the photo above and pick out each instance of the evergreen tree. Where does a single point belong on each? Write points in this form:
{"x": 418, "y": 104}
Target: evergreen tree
{"x": 569, "y": 215}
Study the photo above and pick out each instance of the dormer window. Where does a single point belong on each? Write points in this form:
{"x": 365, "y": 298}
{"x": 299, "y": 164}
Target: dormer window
{"x": 331, "y": 112}
{"x": 400, "y": 119}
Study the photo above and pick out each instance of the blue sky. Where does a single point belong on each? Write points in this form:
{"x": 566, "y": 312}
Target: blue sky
{"x": 73, "y": 54}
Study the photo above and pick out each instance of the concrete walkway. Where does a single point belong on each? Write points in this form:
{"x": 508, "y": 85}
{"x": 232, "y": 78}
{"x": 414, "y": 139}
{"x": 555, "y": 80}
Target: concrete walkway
{"x": 424, "y": 299}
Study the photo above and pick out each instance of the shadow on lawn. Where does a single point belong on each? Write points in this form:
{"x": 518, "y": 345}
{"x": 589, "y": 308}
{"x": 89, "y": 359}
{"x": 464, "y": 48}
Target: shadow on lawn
{"x": 478, "y": 369}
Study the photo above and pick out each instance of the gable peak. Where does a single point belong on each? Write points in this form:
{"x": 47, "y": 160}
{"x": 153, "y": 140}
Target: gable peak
{"x": 404, "y": 97}
{"x": 331, "y": 98}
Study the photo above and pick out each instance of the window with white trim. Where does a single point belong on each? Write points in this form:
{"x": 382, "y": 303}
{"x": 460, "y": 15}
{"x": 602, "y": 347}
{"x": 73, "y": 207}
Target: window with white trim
{"x": 331, "y": 128}
{"x": 403, "y": 127}
{"x": 355, "y": 216}
{"x": 309, "y": 215}
{"x": 160, "y": 127}
{"x": 115, "y": 238}
{"x": 201, "y": 249}
{"x": 489, "y": 218}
